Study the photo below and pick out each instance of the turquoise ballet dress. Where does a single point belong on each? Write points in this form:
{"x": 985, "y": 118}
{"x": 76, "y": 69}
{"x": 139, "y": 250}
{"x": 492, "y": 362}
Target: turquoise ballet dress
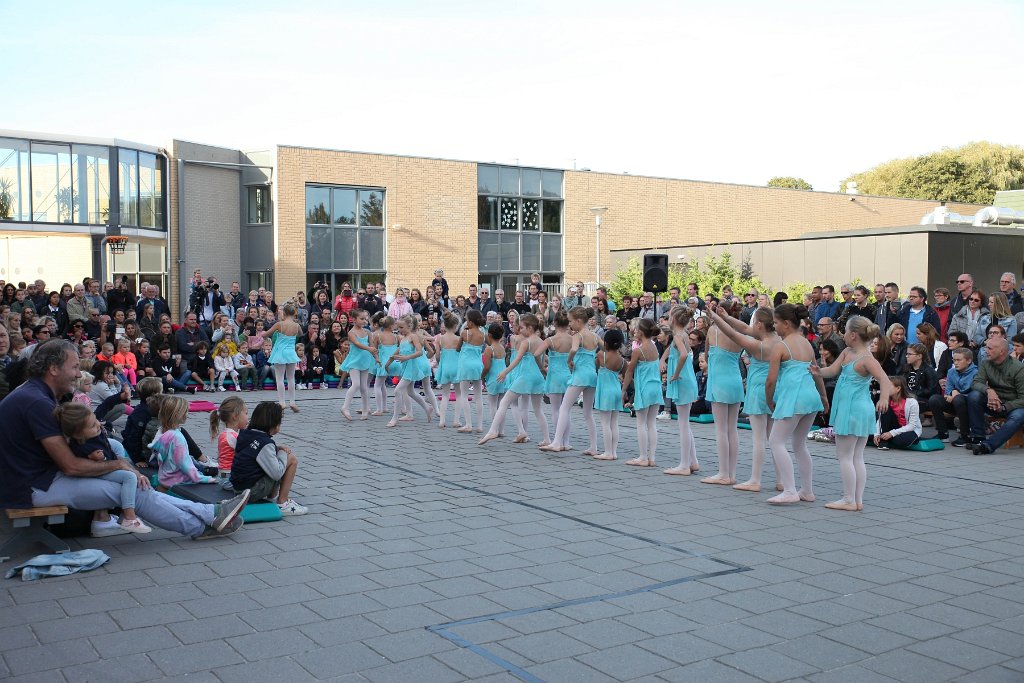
{"x": 755, "y": 403}
{"x": 359, "y": 359}
{"x": 684, "y": 389}
{"x": 584, "y": 369}
{"x": 448, "y": 367}
{"x": 416, "y": 368}
{"x": 558, "y": 372}
{"x": 471, "y": 362}
{"x": 853, "y": 412}
{"x": 385, "y": 351}
{"x": 608, "y": 395}
{"x": 494, "y": 387}
{"x": 795, "y": 391}
{"x": 283, "y": 351}
{"x": 647, "y": 383}
{"x": 725, "y": 385}
{"x": 528, "y": 377}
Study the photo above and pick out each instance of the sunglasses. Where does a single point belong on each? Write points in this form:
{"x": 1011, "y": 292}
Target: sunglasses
{"x": 960, "y": 282}
{"x": 976, "y": 300}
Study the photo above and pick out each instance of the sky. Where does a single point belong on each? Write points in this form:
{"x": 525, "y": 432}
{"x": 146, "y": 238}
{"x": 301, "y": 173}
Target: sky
{"x": 725, "y": 90}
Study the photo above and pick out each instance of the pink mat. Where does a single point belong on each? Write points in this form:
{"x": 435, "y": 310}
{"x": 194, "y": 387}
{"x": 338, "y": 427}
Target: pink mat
{"x": 201, "y": 407}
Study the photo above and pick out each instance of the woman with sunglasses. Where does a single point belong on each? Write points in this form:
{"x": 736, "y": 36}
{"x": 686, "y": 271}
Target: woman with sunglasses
{"x": 968, "y": 318}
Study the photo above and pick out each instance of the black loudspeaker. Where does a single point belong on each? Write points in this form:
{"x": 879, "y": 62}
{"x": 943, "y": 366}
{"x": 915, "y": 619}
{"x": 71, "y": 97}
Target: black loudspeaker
{"x": 655, "y": 272}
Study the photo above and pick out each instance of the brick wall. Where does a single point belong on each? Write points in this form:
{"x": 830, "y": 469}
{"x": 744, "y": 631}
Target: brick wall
{"x": 433, "y": 200}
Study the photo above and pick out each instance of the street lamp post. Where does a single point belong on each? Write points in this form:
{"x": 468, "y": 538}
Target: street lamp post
{"x": 598, "y": 211}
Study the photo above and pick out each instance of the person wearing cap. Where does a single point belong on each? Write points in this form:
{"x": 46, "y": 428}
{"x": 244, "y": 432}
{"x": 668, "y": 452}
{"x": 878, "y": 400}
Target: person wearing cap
{"x": 439, "y": 280}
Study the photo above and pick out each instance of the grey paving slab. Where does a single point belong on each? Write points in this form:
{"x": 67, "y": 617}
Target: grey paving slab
{"x": 569, "y": 569}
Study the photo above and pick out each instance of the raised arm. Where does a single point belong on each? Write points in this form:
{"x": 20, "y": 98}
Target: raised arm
{"x": 727, "y": 327}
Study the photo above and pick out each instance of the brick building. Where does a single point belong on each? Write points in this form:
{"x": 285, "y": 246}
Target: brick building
{"x": 287, "y": 217}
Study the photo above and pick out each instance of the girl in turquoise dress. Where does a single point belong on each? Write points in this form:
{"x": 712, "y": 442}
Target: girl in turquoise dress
{"x": 415, "y": 368}
{"x": 527, "y": 379}
{"x": 608, "y": 394}
{"x": 282, "y": 356}
{"x": 681, "y": 388}
{"x": 853, "y": 414}
{"x": 471, "y": 371}
{"x": 494, "y": 365}
{"x": 582, "y": 382}
{"x": 758, "y": 339}
{"x": 361, "y": 361}
{"x": 387, "y": 346}
{"x": 725, "y": 394}
{"x": 559, "y": 347}
{"x": 794, "y": 396}
{"x": 644, "y": 373}
{"x": 447, "y": 375}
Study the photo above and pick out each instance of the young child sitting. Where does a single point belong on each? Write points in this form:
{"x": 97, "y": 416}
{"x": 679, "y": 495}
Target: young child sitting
{"x": 125, "y": 362}
{"x": 135, "y": 430}
{"x": 201, "y": 367}
{"x": 171, "y": 449}
{"x": 87, "y": 439}
{"x": 262, "y": 466}
{"x": 315, "y": 368}
{"x": 225, "y": 366}
{"x": 109, "y": 397}
{"x": 262, "y": 362}
{"x": 244, "y": 367}
{"x": 233, "y": 414}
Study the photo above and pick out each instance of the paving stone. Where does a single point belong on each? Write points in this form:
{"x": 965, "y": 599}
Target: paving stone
{"x": 196, "y": 657}
{"x": 266, "y": 671}
{"x": 339, "y": 659}
{"x": 127, "y": 669}
{"x": 706, "y": 671}
{"x": 626, "y": 661}
{"x": 53, "y": 656}
{"x": 768, "y": 665}
{"x": 958, "y": 653}
{"x": 60, "y": 630}
{"x": 278, "y": 643}
{"x": 910, "y": 667}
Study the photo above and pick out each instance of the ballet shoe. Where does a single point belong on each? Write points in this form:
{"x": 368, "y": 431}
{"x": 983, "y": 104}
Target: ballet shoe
{"x": 860, "y": 507}
{"x": 784, "y": 499}
{"x": 347, "y": 415}
{"x": 717, "y": 479}
{"x": 807, "y": 497}
{"x": 678, "y": 471}
{"x": 747, "y": 486}
{"x": 590, "y": 451}
{"x": 522, "y": 438}
{"x": 294, "y": 408}
{"x": 487, "y": 437}
{"x": 392, "y": 423}
{"x": 548, "y": 448}
{"x": 640, "y": 462}
{"x": 694, "y": 469}
{"x": 780, "y": 487}
{"x": 479, "y": 430}
{"x": 544, "y": 444}
{"x": 605, "y": 456}
{"x": 465, "y": 430}
{"x": 377, "y": 413}
{"x": 407, "y": 418}
{"x": 842, "y": 505}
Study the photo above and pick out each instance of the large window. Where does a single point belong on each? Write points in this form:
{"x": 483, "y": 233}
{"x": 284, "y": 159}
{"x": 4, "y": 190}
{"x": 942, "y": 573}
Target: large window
{"x": 519, "y": 218}
{"x": 344, "y": 230}
{"x": 50, "y": 182}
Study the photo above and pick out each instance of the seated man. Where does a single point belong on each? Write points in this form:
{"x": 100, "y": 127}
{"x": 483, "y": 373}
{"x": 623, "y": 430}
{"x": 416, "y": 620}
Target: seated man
{"x": 38, "y": 469}
{"x": 953, "y": 399}
{"x": 998, "y": 390}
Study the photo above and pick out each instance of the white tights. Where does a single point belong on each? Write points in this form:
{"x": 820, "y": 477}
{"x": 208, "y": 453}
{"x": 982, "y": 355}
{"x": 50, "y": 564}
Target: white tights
{"x": 562, "y": 423}
{"x": 463, "y": 407}
{"x": 850, "y": 450}
{"x": 380, "y": 390}
{"x": 793, "y": 429}
{"x": 494, "y": 400}
{"x": 687, "y": 446}
{"x": 556, "y": 407}
{"x": 727, "y": 437}
{"x": 511, "y": 398}
{"x": 405, "y": 390}
{"x": 610, "y": 428}
{"x": 284, "y": 371}
{"x": 360, "y": 381}
{"x": 647, "y": 431}
{"x": 446, "y": 395}
{"x": 760, "y": 429}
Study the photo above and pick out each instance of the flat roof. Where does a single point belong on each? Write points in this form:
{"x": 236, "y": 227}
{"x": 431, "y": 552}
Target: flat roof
{"x": 860, "y": 232}
{"x": 79, "y": 139}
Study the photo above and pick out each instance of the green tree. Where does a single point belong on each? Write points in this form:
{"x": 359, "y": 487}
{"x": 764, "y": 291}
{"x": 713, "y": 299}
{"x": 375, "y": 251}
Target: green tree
{"x": 790, "y": 182}
{"x": 972, "y": 173}
{"x": 711, "y": 275}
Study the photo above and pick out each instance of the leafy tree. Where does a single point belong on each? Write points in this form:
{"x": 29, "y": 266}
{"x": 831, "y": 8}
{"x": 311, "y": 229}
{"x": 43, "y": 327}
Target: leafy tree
{"x": 711, "y": 274}
{"x": 971, "y": 173}
{"x": 790, "y": 182}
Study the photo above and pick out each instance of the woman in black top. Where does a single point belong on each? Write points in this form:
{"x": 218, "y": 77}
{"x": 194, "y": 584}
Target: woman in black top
{"x": 416, "y": 301}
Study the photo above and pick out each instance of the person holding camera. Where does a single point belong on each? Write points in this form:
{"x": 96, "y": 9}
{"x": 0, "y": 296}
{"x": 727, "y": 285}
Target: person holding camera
{"x": 206, "y": 299}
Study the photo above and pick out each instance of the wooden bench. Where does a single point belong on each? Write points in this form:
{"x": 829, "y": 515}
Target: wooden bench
{"x": 28, "y": 528}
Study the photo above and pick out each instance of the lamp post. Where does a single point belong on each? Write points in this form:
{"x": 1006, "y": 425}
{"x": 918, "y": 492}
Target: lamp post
{"x": 598, "y": 211}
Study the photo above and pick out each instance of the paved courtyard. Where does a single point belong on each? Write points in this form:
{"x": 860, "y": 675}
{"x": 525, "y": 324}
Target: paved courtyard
{"x": 428, "y": 558}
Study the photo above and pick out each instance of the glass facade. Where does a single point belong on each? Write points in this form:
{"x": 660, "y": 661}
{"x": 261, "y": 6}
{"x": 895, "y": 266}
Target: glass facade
{"x": 259, "y": 205}
{"x": 64, "y": 183}
{"x": 519, "y": 223}
{"x": 344, "y": 234}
